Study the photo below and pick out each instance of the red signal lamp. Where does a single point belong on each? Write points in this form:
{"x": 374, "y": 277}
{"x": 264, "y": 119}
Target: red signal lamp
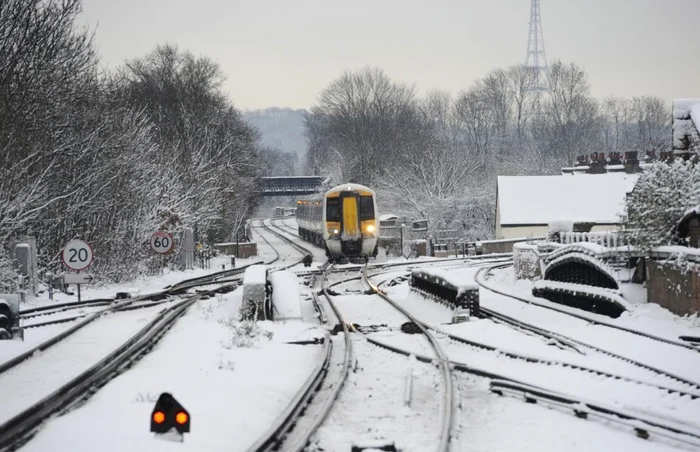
{"x": 169, "y": 416}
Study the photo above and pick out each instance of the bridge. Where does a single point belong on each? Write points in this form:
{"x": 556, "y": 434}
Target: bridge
{"x": 291, "y": 186}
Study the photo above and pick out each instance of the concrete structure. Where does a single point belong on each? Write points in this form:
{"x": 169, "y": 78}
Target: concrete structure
{"x": 526, "y": 205}
{"x": 25, "y": 255}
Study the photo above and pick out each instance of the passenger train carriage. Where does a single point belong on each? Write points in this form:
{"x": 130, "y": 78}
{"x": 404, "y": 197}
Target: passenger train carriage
{"x": 343, "y": 221}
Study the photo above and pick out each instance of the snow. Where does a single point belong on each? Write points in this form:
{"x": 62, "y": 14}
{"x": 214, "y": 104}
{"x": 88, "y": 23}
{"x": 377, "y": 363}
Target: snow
{"x": 540, "y": 200}
{"x": 692, "y": 211}
{"x": 232, "y": 393}
{"x": 695, "y": 114}
{"x": 235, "y": 385}
{"x": 285, "y": 296}
{"x": 255, "y": 275}
{"x": 686, "y": 119}
{"x": 655, "y": 321}
{"x": 613, "y": 295}
{"x": 596, "y": 263}
{"x": 462, "y": 278}
{"x": 561, "y": 226}
{"x": 676, "y": 249}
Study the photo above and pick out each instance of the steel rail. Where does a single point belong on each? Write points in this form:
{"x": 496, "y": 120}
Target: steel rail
{"x": 448, "y": 407}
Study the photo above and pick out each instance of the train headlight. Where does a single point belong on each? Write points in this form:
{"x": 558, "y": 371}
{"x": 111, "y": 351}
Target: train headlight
{"x": 335, "y": 231}
{"x": 370, "y": 228}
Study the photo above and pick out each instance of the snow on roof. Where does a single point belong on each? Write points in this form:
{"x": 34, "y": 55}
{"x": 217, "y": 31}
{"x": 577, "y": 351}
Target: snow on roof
{"x": 350, "y": 187}
{"x": 540, "y": 200}
{"x": 255, "y": 274}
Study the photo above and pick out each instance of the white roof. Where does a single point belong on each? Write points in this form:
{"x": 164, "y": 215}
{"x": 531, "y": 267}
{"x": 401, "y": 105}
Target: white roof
{"x": 539, "y": 200}
{"x": 255, "y": 274}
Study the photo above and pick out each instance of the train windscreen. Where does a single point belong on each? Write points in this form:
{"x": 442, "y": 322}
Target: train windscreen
{"x": 333, "y": 209}
{"x": 366, "y": 208}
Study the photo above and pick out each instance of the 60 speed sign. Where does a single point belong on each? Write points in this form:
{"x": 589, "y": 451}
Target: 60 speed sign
{"x": 77, "y": 255}
{"x": 161, "y": 242}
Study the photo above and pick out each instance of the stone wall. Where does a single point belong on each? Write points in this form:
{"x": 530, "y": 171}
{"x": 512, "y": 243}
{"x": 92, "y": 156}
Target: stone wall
{"x": 672, "y": 288}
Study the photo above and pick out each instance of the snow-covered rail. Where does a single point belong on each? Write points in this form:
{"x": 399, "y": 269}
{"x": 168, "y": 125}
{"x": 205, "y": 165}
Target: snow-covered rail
{"x": 643, "y": 426}
{"x": 482, "y": 280}
{"x": 310, "y": 406}
{"x": 522, "y": 325}
{"x": 515, "y": 369}
{"x": 448, "y": 404}
{"x": 18, "y": 429}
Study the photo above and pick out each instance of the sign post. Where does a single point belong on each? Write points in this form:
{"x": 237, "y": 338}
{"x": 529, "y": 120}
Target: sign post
{"x": 77, "y": 255}
{"x": 162, "y": 243}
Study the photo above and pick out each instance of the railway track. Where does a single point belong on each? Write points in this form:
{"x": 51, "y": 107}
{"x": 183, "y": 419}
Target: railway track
{"x": 20, "y": 428}
{"x": 642, "y": 424}
{"x": 115, "y": 306}
{"x": 23, "y": 419}
{"x": 311, "y": 404}
{"x": 579, "y": 344}
{"x": 317, "y": 399}
{"x": 481, "y": 279}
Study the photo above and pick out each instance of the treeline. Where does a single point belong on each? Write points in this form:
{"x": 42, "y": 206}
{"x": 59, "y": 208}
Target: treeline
{"x": 437, "y": 156}
{"x": 110, "y": 158}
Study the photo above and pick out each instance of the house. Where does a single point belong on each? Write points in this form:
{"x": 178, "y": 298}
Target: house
{"x": 525, "y": 205}
{"x": 687, "y": 231}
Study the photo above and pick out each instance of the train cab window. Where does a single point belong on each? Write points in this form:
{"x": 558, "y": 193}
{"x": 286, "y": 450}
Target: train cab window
{"x": 366, "y": 208}
{"x": 333, "y": 209}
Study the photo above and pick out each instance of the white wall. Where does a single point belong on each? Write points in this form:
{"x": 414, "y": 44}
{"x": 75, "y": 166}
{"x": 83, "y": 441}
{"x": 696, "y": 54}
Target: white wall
{"x": 514, "y": 232}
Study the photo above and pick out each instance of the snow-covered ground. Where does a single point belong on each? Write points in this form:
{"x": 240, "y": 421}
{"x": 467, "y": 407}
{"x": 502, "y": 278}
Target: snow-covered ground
{"x": 235, "y": 385}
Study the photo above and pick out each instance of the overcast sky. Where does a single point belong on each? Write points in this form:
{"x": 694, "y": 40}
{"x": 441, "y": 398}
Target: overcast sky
{"x": 284, "y": 52}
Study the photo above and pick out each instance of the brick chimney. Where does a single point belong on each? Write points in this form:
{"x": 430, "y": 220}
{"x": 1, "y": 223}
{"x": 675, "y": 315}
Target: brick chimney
{"x": 597, "y": 165}
{"x": 631, "y": 162}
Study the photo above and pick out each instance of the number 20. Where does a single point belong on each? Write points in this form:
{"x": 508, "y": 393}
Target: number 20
{"x": 81, "y": 254}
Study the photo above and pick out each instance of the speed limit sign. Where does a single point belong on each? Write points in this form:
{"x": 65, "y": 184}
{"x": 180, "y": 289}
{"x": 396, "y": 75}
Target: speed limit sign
{"x": 77, "y": 255}
{"x": 161, "y": 242}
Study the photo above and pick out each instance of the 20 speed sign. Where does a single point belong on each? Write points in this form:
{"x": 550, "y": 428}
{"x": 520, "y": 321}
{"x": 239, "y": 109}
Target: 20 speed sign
{"x": 77, "y": 255}
{"x": 161, "y": 242}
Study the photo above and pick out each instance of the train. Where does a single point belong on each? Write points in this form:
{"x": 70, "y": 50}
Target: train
{"x": 342, "y": 220}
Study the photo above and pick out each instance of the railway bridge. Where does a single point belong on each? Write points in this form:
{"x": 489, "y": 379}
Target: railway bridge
{"x": 291, "y": 186}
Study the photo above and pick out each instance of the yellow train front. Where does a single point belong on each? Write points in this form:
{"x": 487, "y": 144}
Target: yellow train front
{"x": 346, "y": 218}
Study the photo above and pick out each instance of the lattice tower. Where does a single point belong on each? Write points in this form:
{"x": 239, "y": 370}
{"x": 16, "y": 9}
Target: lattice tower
{"x": 536, "y": 58}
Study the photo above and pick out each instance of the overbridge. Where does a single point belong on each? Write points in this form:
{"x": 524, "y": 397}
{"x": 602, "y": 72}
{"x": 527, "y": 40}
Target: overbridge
{"x": 291, "y": 186}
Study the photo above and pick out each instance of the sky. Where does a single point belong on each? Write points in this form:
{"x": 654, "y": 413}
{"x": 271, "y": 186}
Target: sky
{"x": 285, "y": 52}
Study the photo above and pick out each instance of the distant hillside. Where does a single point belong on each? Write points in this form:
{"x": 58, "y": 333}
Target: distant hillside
{"x": 281, "y": 128}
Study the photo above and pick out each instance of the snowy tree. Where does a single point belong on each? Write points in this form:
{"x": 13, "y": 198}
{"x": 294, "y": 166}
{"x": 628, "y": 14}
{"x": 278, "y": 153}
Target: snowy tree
{"x": 659, "y": 199}
{"x": 365, "y": 120}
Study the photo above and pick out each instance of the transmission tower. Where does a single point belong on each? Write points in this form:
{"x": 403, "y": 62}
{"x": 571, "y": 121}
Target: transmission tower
{"x": 536, "y": 59}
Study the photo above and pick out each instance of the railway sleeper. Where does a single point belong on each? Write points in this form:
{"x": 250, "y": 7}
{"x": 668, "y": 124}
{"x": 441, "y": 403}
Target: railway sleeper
{"x": 382, "y": 445}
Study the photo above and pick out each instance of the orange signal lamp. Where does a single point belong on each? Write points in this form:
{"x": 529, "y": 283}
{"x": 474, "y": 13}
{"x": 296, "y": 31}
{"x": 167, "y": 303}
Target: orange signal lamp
{"x": 181, "y": 417}
{"x": 159, "y": 417}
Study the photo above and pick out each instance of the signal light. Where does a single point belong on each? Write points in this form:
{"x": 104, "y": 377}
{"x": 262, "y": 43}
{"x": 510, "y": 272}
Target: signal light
{"x": 181, "y": 417}
{"x": 169, "y": 417}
